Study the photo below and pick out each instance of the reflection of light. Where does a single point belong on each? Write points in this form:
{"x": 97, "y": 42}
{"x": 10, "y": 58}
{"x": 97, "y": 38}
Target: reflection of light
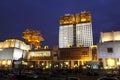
{"x": 111, "y": 62}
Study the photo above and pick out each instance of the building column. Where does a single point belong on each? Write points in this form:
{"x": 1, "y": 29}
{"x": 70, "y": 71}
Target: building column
{"x": 78, "y": 63}
{"x": 38, "y": 62}
{"x": 72, "y": 64}
{"x": 104, "y": 62}
{"x": 82, "y": 63}
{"x": 47, "y": 64}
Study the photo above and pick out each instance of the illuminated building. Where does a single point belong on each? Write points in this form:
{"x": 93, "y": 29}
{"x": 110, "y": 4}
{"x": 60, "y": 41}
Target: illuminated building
{"x": 74, "y": 57}
{"x": 61, "y": 58}
{"x": 13, "y": 51}
{"x": 41, "y": 57}
{"x": 10, "y": 50}
{"x": 76, "y": 32}
{"x": 84, "y": 35}
{"x": 109, "y": 48}
{"x": 66, "y": 31}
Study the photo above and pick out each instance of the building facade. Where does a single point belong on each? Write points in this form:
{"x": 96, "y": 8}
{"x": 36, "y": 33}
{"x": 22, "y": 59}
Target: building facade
{"x": 42, "y": 58}
{"x": 62, "y": 58}
{"x": 76, "y": 31}
{"x": 75, "y": 57}
{"x": 12, "y": 50}
{"x": 84, "y": 35}
{"x": 109, "y": 49}
{"x": 66, "y": 31}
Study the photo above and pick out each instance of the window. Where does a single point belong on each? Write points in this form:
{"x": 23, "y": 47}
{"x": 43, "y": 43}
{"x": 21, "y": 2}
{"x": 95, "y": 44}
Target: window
{"x": 84, "y": 53}
{"x": 110, "y": 50}
{"x": 55, "y": 54}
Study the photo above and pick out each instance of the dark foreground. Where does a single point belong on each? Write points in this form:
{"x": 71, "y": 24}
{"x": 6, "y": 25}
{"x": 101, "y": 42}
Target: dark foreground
{"x": 56, "y": 74}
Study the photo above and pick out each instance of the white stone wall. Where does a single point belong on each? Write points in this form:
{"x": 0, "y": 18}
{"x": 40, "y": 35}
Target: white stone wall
{"x": 103, "y": 53}
{"x": 6, "y": 54}
{"x": 12, "y": 54}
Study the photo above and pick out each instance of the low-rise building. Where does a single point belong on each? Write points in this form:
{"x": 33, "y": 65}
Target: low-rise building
{"x": 12, "y": 50}
{"x": 109, "y": 49}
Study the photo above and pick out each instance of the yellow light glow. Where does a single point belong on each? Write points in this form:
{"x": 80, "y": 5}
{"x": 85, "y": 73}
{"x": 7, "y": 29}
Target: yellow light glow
{"x": 83, "y": 19}
{"x": 46, "y": 66}
{"x": 75, "y": 65}
{"x": 117, "y": 38}
{"x": 67, "y": 19}
{"x": 31, "y": 66}
{"x": 66, "y": 63}
{"x": 4, "y": 62}
{"x": 79, "y": 45}
{"x": 111, "y": 62}
{"x": 1, "y": 49}
{"x": 69, "y": 45}
{"x": 118, "y": 63}
{"x": 9, "y": 62}
{"x": 24, "y": 63}
{"x": 94, "y": 46}
{"x": 45, "y": 47}
{"x": 0, "y": 63}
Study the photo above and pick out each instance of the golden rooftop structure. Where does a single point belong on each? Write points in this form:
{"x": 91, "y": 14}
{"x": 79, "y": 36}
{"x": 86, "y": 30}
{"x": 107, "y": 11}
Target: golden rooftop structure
{"x": 67, "y": 19}
{"x": 83, "y": 17}
{"x": 33, "y": 37}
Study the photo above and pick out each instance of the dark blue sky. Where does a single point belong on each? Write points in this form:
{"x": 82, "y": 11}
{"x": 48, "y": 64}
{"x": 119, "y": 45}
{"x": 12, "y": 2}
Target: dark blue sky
{"x": 18, "y": 15}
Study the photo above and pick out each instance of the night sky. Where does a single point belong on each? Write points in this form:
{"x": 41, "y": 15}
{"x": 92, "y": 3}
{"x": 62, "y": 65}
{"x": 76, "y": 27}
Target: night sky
{"x": 18, "y": 15}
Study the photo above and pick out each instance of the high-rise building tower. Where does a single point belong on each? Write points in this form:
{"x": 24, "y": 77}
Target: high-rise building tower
{"x": 76, "y": 32}
{"x": 66, "y": 31}
{"x": 84, "y": 35}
